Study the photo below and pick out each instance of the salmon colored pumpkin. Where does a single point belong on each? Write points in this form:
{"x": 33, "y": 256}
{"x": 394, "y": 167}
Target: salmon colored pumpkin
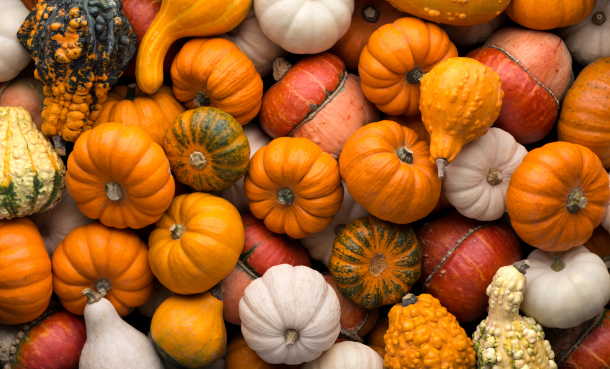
{"x": 456, "y": 13}
{"x": 549, "y": 14}
{"x": 557, "y": 196}
{"x": 394, "y": 60}
{"x": 26, "y": 93}
{"x": 241, "y": 356}
{"x": 96, "y": 256}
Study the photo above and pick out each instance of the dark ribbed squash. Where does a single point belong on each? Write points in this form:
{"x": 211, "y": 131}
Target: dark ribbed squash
{"x": 207, "y": 149}
{"x": 375, "y": 262}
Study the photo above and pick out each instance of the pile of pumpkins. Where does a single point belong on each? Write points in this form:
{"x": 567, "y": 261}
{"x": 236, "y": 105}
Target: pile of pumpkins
{"x": 315, "y": 184}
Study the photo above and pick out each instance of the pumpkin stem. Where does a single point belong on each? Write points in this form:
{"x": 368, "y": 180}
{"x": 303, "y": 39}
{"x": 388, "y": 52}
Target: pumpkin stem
{"x": 114, "y": 191}
{"x": 198, "y": 160}
{"x": 606, "y": 260}
{"x": 576, "y": 201}
{"x": 202, "y": 99}
{"x": 131, "y": 92}
{"x": 415, "y": 75}
{"x": 234, "y": 32}
{"x": 408, "y": 299}
{"x": 92, "y": 296}
{"x": 177, "y": 231}
{"x": 558, "y": 264}
{"x": 598, "y": 18}
{"x": 377, "y": 265}
{"x": 441, "y": 164}
{"x": 405, "y": 155}
{"x": 522, "y": 266}
{"x": 494, "y": 176}
{"x": 370, "y": 14}
{"x": 291, "y": 337}
{"x": 339, "y": 228}
{"x": 280, "y": 68}
{"x": 285, "y": 196}
{"x": 59, "y": 144}
{"x": 102, "y": 286}
{"x": 218, "y": 291}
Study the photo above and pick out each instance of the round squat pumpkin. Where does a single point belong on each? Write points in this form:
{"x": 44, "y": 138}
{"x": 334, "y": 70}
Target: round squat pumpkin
{"x": 549, "y": 14}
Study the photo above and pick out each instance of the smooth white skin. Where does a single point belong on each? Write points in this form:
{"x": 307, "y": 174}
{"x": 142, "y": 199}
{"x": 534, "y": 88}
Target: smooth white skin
{"x": 352, "y": 355}
{"x": 304, "y": 26}
{"x": 586, "y": 40}
{"x": 569, "y": 297}
{"x": 13, "y": 57}
{"x": 465, "y": 182}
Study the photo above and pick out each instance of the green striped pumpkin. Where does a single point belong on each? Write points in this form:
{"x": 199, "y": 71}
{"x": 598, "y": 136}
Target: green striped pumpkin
{"x": 207, "y": 149}
{"x": 375, "y": 262}
{"x": 33, "y": 176}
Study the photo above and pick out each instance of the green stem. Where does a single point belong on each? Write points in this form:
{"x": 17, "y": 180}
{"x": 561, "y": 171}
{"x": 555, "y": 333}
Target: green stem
{"x": 177, "y": 231}
{"x": 558, "y": 264}
{"x": 285, "y": 196}
{"x": 405, "y": 155}
{"x": 415, "y": 75}
{"x": 576, "y": 201}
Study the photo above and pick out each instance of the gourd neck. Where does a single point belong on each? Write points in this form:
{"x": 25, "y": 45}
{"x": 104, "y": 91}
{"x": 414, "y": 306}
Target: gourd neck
{"x": 280, "y": 68}
{"x": 576, "y": 201}
{"x": 558, "y": 264}
{"x": 285, "y": 196}
{"x": 291, "y": 336}
{"x": 370, "y": 14}
{"x": 506, "y": 294}
{"x": 177, "y": 230}
{"x": 441, "y": 164}
{"x": 131, "y": 92}
{"x": 114, "y": 191}
{"x": 202, "y": 99}
{"x": 377, "y": 265}
{"x": 415, "y": 75}
{"x": 522, "y": 266}
{"x": 598, "y": 18}
{"x": 494, "y": 176}
{"x": 198, "y": 160}
{"x": 405, "y": 155}
{"x": 408, "y": 299}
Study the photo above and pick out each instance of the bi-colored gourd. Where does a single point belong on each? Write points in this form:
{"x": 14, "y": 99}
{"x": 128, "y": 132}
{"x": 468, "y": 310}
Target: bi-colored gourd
{"x": 456, "y": 13}
{"x": 353, "y": 355}
{"x": 557, "y": 13}
{"x": 14, "y": 58}
{"x": 27, "y": 93}
{"x": 588, "y": 40}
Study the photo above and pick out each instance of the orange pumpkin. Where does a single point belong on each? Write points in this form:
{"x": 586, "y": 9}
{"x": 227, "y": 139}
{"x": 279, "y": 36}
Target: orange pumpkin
{"x": 375, "y": 337}
{"x": 130, "y": 106}
{"x": 95, "y": 256}
{"x": 454, "y": 12}
{"x": 240, "y": 356}
{"x": 25, "y": 277}
{"x": 557, "y": 196}
{"x": 119, "y": 175}
{"x": 387, "y": 170}
{"x": 294, "y": 186}
{"x": 549, "y": 14}
{"x": 214, "y": 72}
{"x": 395, "y": 59}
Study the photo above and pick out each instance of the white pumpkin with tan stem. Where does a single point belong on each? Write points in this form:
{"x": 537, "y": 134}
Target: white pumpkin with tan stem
{"x": 290, "y": 315}
{"x": 13, "y": 57}
{"x": 352, "y": 355}
{"x": 567, "y": 288}
{"x": 476, "y": 182}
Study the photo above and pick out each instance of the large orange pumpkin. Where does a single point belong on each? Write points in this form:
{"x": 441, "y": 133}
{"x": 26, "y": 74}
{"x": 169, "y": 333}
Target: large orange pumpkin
{"x": 395, "y": 59}
{"x": 387, "y": 170}
{"x": 557, "y": 196}
{"x": 549, "y": 14}
{"x": 96, "y": 256}
{"x": 119, "y": 175}
{"x": 214, "y": 72}
{"x": 294, "y": 186}
{"x": 25, "y": 272}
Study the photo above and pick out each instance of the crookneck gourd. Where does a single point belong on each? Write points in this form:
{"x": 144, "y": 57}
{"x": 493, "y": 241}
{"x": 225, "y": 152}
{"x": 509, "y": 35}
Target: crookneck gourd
{"x": 81, "y": 48}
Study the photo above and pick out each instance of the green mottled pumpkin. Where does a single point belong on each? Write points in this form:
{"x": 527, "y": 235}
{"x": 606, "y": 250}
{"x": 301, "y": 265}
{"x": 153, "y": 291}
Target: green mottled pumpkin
{"x": 33, "y": 176}
{"x": 207, "y": 149}
{"x": 375, "y": 262}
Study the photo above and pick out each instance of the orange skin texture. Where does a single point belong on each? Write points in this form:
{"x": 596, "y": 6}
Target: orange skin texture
{"x": 537, "y": 196}
{"x": 189, "y": 330}
{"x": 464, "y": 13}
{"x": 584, "y": 114}
{"x": 375, "y": 337}
{"x": 313, "y": 177}
{"x": 460, "y": 99}
{"x": 349, "y": 47}
{"x": 128, "y": 156}
{"x": 153, "y": 113}
{"x": 183, "y": 18}
{"x": 25, "y": 277}
{"x": 93, "y": 252}
{"x": 549, "y": 14}
{"x": 218, "y": 68}
{"x": 240, "y": 356}
{"x": 593, "y": 352}
{"x": 208, "y": 249}
{"x": 392, "y": 52}
{"x": 379, "y": 181}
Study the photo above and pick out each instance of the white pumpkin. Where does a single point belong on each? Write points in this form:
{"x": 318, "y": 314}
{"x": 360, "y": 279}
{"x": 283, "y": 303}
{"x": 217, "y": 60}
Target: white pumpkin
{"x": 353, "y": 355}
{"x": 477, "y": 180}
{"x": 235, "y": 194}
{"x": 251, "y": 40}
{"x": 473, "y": 35}
{"x": 320, "y": 245}
{"x": 304, "y": 26}
{"x": 13, "y": 57}
{"x": 55, "y": 224}
{"x": 565, "y": 289}
{"x": 160, "y": 294}
{"x": 589, "y": 39}
{"x": 606, "y": 220}
{"x": 290, "y": 315}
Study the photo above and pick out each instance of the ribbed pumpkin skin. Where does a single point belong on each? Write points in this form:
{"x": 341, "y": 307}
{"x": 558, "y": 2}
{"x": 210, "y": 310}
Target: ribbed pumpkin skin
{"x": 26, "y": 280}
{"x": 217, "y": 68}
{"x": 538, "y": 193}
{"x": 394, "y": 51}
{"x": 464, "y": 13}
{"x": 27, "y": 151}
{"x": 375, "y": 262}
{"x": 549, "y": 14}
{"x": 219, "y": 138}
{"x": 584, "y": 111}
{"x": 592, "y": 353}
{"x": 240, "y": 356}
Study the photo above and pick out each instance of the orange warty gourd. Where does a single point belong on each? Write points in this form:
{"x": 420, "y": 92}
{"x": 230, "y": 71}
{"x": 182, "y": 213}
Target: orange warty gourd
{"x": 454, "y": 12}
{"x": 548, "y": 14}
{"x": 294, "y": 187}
{"x": 557, "y": 196}
{"x": 460, "y": 99}
{"x": 26, "y": 280}
{"x": 395, "y": 59}
{"x": 423, "y": 335}
{"x": 183, "y": 18}
{"x": 96, "y": 256}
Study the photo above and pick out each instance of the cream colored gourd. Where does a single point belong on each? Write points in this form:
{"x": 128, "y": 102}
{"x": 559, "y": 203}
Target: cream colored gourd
{"x": 13, "y": 57}
{"x": 251, "y": 40}
{"x": 477, "y": 180}
{"x": 505, "y": 339}
{"x": 565, "y": 289}
{"x": 111, "y": 342}
{"x": 606, "y": 220}
{"x": 320, "y": 245}
{"x": 290, "y": 315}
{"x": 472, "y": 35}
{"x": 304, "y": 26}
{"x": 352, "y": 355}
{"x": 160, "y": 294}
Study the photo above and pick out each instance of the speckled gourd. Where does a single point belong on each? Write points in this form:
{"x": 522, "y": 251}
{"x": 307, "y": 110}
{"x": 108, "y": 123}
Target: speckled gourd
{"x": 505, "y": 339}
{"x": 33, "y": 178}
